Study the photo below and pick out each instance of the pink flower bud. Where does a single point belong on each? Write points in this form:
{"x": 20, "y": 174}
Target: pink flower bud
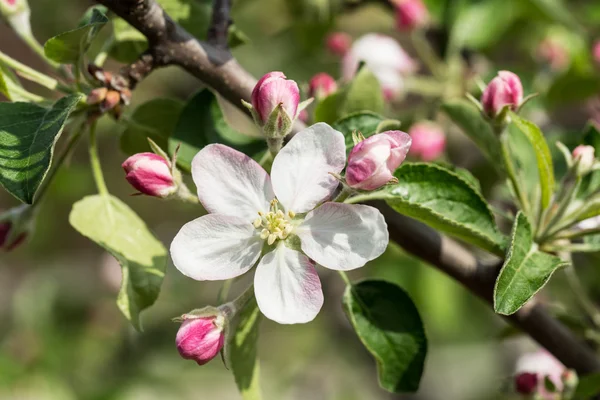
{"x": 321, "y": 85}
{"x": 584, "y": 156}
{"x": 428, "y": 140}
{"x": 110, "y": 101}
{"x": 384, "y": 57}
{"x": 97, "y": 96}
{"x": 596, "y": 52}
{"x": 270, "y": 91}
{"x": 7, "y": 242}
{"x": 303, "y": 116}
{"x": 526, "y": 383}
{"x": 411, "y": 14}
{"x": 504, "y": 90}
{"x": 201, "y": 339}
{"x": 150, "y": 174}
{"x": 338, "y": 43}
{"x": 372, "y": 162}
{"x": 552, "y": 52}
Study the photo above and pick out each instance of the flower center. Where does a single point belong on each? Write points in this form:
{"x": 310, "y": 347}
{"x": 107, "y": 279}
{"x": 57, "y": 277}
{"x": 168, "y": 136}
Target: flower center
{"x": 274, "y": 224}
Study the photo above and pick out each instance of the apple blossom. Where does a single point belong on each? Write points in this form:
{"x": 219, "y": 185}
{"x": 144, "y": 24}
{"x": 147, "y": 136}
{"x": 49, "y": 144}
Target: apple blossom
{"x": 504, "y": 90}
{"x": 321, "y": 85}
{"x": 201, "y": 338}
{"x": 338, "y": 43}
{"x": 384, "y": 57}
{"x": 428, "y": 140}
{"x": 411, "y": 14}
{"x": 544, "y": 365}
{"x": 372, "y": 162}
{"x": 279, "y": 223}
{"x": 151, "y": 174}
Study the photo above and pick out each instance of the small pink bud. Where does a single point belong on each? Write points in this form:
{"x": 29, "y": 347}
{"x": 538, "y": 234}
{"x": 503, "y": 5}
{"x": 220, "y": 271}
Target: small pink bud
{"x": 584, "y": 156}
{"x": 504, "y": 90}
{"x": 6, "y": 242}
{"x": 338, "y": 43}
{"x": 150, "y": 174}
{"x": 321, "y": 85}
{"x": 372, "y": 162}
{"x": 428, "y": 140}
{"x": 270, "y": 91}
{"x": 526, "y": 383}
{"x": 200, "y": 339}
{"x": 553, "y": 53}
{"x": 411, "y": 14}
{"x": 303, "y": 116}
{"x": 596, "y": 52}
{"x": 110, "y": 101}
{"x": 97, "y": 96}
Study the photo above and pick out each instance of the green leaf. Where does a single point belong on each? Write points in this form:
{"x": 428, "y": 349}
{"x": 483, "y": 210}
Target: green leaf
{"x": 525, "y": 271}
{"x": 589, "y": 386}
{"x": 155, "y": 119}
{"x": 327, "y": 110}
{"x": 389, "y": 326}
{"x": 28, "y": 134}
{"x": 242, "y": 352}
{"x": 128, "y": 44}
{"x": 110, "y": 223}
{"x": 572, "y": 87}
{"x": 201, "y": 123}
{"x": 366, "y": 122}
{"x": 363, "y": 93}
{"x": 542, "y": 155}
{"x": 473, "y": 124}
{"x": 443, "y": 200}
{"x": 69, "y": 47}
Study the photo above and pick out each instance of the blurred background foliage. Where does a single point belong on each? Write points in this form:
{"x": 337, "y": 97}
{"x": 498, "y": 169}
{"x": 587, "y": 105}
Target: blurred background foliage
{"x": 61, "y": 335}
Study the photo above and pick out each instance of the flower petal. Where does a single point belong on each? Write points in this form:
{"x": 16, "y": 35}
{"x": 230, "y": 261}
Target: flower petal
{"x": 215, "y": 247}
{"x": 300, "y": 172}
{"x": 343, "y": 236}
{"x": 231, "y": 183}
{"x": 287, "y": 287}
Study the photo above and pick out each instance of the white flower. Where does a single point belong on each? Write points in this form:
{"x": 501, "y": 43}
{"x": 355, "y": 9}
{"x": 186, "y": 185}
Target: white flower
{"x": 251, "y": 214}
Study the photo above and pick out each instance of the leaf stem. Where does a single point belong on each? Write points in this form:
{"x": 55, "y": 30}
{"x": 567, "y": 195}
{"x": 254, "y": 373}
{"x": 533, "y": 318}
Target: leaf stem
{"x": 39, "y": 50}
{"x": 512, "y": 175}
{"x": 266, "y": 157}
{"x": 345, "y": 278}
{"x": 95, "y": 162}
{"x": 224, "y": 291}
{"x": 33, "y": 75}
{"x": 563, "y": 199}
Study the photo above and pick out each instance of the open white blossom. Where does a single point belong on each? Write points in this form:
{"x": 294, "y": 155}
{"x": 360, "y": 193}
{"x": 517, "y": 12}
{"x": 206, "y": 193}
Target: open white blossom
{"x": 252, "y": 214}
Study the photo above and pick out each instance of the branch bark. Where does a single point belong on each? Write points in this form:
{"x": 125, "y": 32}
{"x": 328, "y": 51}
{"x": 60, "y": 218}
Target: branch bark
{"x": 170, "y": 44}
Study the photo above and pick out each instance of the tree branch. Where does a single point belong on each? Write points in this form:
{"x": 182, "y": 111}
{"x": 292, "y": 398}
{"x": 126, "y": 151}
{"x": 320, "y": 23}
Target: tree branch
{"x": 218, "y": 33}
{"x": 214, "y": 66}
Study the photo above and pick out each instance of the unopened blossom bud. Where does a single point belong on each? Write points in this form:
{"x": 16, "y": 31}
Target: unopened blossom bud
{"x": 150, "y": 174}
{"x": 15, "y": 225}
{"x": 584, "y": 158}
{"x": 504, "y": 90}
{"x": 411, "y": 14}
{"x": 428, "y": 140}
{"x": 275, "y": 102}
{"x": 596, "y": 52}
{"x": 553, "y": 52}
{"x": 97, "y": 96}
{"x": 201, "y": 338}
{"x": 111, "y": 99}
{"x": 321, "y": 85}
{"x": 17, "y": 14}
{"x": 526, "y": 383}
{"x": 372, "y": 162}
{"x": 338, "y": 43}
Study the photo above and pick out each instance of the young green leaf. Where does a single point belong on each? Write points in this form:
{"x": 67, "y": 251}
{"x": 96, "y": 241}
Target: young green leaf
{"x": 473, "y": 124}
{"x": 443, "y": 200}
{"x": 156, "y": 119}
{"x": 588, "y": 387}
{"x": 28, "y": 134}
{"x": 113, "y": 225}
{"x": 542, "y": 155}
{"x": 362, "y": 93}
{"x": 327, "y": 110}
{"x": 69, "y": 47}
{"x": 390, "y": 327}
{"x": 241, "y": 351}
{"x": 366, "y": 122}
{"x": 525, "y": 271}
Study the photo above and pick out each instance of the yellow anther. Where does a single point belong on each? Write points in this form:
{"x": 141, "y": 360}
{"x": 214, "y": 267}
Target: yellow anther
{"x": 264, "y": 234}
{"x": 280, "y": 214}
{"x": 272, "y": 238}
{"x": 262, "y": 214}
{"x": 257, "y": 222}
{"x": 291, "y": 214}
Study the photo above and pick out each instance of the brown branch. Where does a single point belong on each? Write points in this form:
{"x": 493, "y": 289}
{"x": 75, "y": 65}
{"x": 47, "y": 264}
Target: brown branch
{"x": 172, "y": 45}
{"x": 218, "y": 33}
{"x": 137, "y": 71}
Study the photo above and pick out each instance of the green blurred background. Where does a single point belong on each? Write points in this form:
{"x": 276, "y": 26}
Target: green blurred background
{"x": 62, "y": 336}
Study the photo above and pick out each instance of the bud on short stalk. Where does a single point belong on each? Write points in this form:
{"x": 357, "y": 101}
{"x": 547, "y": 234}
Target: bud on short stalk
{"x": 321, "y": 85}
{"x": 411, "y": 14}
{"x": 151, "y": 174}
{"x": 504, "y": 92}
{"x": 372, "y": 161}
{"x": 201, "y": 335}
{"x": 428, "y": 140}
{"x": 16, "y": 225}
{"x": 584, "y": 160}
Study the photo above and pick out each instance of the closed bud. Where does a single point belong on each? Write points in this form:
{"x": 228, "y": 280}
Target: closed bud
{"x": 201, "y": 338}
{"x": 428, "y": 140}
{"x": 372, "y": 162}
{"x": 150, "y": 174}
{"x": 275, "y": 102}
{"x": 17, "y": 14}
{"x": 321, "y": 85}
{"x": 338, "y": 43}
{"x": 596, "y": 52}
{"x": 584, "y": 159}
{"x": 110, "y": 101}
{"x": 526, "y": 383}
{"x": 97, "y": 96}
{"x": 504, "y": 90}
{"x": 411, "y": 14}
{"x": 15, "y": 225}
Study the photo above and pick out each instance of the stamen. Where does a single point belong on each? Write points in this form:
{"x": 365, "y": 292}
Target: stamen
{"x": 272, "y": 238}
{"x": 257, "y": 223}
{"x": 264, "y": 234}
{"x": 291, "y": 214}
{"x": 274, "y": 224}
